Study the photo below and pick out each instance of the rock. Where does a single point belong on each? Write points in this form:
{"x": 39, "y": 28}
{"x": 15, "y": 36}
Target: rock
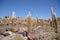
{"x": 1, "y": 37}
{"x": 2, "y": 30}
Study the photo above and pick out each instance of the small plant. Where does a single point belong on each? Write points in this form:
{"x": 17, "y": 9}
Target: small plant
{"x": 19, "y": 38}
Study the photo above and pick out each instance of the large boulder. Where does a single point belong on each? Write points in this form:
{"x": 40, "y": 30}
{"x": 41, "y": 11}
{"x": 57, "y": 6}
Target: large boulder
{"x": 2, "y": 30}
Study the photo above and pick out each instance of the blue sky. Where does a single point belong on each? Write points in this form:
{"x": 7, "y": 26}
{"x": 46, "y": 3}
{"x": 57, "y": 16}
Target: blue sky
{"x": 40, "y": 8}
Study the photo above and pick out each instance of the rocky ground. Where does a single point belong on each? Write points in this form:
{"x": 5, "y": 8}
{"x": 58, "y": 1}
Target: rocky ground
{"x": 37, "y": 36}
{"x": 13, "y": 36}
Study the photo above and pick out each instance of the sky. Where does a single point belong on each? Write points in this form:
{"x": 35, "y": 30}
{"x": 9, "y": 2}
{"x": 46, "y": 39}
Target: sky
{"x": 40, "y": 8}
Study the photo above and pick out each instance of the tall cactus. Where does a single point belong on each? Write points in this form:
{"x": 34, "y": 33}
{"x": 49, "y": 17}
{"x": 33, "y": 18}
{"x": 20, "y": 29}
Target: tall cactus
{"x": 54, "y": 19}
{"x": 29, "y": 22}
{"x": 54, "y": 22}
